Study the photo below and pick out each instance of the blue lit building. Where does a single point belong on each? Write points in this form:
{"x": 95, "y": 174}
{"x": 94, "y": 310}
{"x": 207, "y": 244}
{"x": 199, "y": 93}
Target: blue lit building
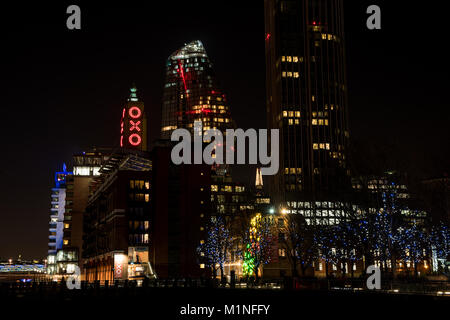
{"x": 57, "y": 209}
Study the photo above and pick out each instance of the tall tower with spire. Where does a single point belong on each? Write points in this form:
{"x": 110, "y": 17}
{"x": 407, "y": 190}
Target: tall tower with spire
{"x": 259, "y": 180}
{"x": 133, "y": 124}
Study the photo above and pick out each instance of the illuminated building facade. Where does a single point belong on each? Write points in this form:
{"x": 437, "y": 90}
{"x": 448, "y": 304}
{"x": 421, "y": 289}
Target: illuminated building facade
{"x": 57, "y": 210}
{"x": 387, "y": 191}
{"x": 133, "y": 124}
{"x": 306, "y": 101}
{"x": 191, "y": 92}
{"x": 86, "y": 166}
{"x": 116, "y": 226}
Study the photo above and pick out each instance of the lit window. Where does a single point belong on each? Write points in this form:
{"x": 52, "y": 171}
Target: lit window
{"x": 294, "y": 59}
{"x": 291, "y": 113}
{"x": 285, "y": 113}
{"x": 289, "y": 59}
{"x": 283, "y": 58}
{"x": 297, "y": 114}
{"x": 326, "y": 122}
{"x": 147, "y": 197}
{"x": 283, "y": 74}
{"x": 286, "y": 170}
{"x": 66, "y": 226}
{"x": 290, "y": 122}
{"x": 296, "y": 75}
{"x": 289, "y": 74}
{"x": 202, "y": 266}
{"x": 297, "y": 121}
{"x": 314, "y": 122}
{"x": 315, "y": 146}
{"x": 66, "y": 242}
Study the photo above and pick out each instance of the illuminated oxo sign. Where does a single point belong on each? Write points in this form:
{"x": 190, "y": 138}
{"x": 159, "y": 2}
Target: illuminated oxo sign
{"x": 130, "y": 127}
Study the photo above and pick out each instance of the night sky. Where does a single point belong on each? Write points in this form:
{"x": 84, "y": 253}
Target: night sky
{"x": 63, "y": 90}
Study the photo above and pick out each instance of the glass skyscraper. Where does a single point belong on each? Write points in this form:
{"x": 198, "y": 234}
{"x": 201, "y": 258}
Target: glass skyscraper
{"x": 307, "y": 101}
{"x": 191, "y": 92}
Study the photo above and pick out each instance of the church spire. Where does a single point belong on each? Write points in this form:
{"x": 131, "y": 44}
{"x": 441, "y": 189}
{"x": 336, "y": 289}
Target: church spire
{"x": 259, "y": 180}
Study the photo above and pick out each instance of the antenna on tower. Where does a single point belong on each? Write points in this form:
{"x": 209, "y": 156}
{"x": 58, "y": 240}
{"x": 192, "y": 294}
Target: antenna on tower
{"x": 133, "y": 94}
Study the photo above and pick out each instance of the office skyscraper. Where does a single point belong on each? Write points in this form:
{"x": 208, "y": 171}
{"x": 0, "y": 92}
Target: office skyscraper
{"x": 307, "y": 100}
{"x": 191, "y": 92}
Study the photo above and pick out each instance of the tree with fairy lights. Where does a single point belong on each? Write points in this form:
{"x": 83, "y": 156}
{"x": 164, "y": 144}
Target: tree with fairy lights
{"x": 440, "y": 244}
{"x": 297, "y": 238}
{"x": 413, "y": 242}
{"x": 327, "y": 240}
{"x": 213, "y": 251}
{"x": 350, "y": 243}
{"x": 257, "y": 245}
{"x": 384, "y": 229}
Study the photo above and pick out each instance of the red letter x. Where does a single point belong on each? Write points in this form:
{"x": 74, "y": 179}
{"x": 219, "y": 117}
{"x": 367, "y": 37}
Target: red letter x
{"x": 135, "y": 125}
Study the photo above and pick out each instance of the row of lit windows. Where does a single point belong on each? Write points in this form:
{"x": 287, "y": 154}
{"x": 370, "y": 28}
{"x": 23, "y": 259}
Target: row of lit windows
{"x": 139, "y": 184}
{"x": 139, "y": 197}
{"x": 215, "y": 188}
{"x": 291, "y": 59}
{"x": 202, "y": 106}
{"x": 209, "y": 98}
{"x": 168, "y": 128}
{"x": 336, "y": 155}
{"x": 319, "y": 122}
{"x": 328, "y": 36}
{"x": 292, "y": 122}
{"x": 292, "y": 170}
{"x": 291, "y": 114}
{"x": 324, "y": 146}
{"x": 318, "y": 204}
{"x": 139, "y": 225}
{"x": 290, "y": 74}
